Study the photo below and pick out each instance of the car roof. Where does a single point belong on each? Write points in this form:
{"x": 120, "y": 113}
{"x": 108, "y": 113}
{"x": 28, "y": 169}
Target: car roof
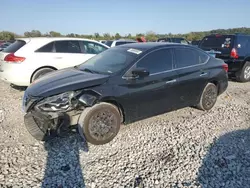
{"x": 236, "y": 34}
{"x": 55, "y": 38}
{"x": 149, "y": 45}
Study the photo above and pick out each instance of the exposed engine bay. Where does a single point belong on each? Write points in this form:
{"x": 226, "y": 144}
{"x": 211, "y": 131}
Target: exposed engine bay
{"x": 59, "y": 113}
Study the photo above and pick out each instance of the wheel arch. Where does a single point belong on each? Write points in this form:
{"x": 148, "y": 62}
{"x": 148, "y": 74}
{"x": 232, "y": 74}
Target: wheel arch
{"x": 51, "y": 67}
{"x": 216, "y": 83}
{"x": 247, "y": 59}
{"x": 114, "y": 101}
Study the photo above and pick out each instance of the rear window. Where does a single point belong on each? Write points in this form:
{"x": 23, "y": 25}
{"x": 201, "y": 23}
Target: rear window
{"x": 220, "y": 41}
{"x": 15, "y": 46}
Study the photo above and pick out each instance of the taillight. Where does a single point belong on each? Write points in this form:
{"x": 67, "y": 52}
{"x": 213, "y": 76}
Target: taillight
{"x": 234, "y": 54}
{"x": 11, "y": 58}
{"x": 225, "y": 67}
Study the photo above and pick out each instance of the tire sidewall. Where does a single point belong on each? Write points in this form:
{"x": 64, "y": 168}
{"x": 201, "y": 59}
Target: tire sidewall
{"x": 202, "y": 106}
{"x": 86, "y": 116}
{"x": 242, "y": 76}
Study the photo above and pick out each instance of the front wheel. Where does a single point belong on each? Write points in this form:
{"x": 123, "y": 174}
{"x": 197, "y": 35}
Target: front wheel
{"x": 208, "y": 97}
{"x": 100, "y": 123}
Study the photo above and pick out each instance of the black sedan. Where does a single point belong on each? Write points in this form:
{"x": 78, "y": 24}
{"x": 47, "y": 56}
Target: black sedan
{"x": 122, "y": 85}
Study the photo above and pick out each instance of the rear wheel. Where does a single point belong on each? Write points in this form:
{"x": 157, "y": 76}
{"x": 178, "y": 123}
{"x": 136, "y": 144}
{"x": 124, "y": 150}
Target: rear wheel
{"x": 208, "y": 97}
{"x": 41, "y": 72}
{"x": 100, "y": 123}
{"x": 244, "y": 74}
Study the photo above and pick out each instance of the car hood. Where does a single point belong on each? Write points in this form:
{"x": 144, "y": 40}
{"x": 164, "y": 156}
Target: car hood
{"x": 64, "y": 80}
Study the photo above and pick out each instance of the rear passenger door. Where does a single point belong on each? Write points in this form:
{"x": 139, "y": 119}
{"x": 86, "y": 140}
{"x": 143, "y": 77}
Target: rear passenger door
{"x": 193, "y": 76}
{"x": 68, "y": 53}
{"x": 60, "y": 54}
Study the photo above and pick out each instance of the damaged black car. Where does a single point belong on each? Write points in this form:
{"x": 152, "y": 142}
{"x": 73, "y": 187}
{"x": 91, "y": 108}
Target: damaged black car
{"x": 122, "y": 85}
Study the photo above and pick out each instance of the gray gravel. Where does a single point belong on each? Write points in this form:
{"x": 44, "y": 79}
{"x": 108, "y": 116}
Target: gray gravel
{"x": 185, "y": 148}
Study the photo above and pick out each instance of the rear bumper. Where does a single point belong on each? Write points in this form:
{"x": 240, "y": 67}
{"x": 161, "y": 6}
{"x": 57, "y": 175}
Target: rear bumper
{"x": 16, "y": 74}
{"x": 234, "y": 65}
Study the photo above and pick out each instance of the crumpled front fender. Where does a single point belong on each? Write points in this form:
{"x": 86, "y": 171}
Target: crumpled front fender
{"x": 89, "y": 98}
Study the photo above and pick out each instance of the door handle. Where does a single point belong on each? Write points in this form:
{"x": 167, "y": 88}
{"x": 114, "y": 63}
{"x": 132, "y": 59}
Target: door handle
{"x": 171, "y": 81}
{"x": 203, "y": 74}
{"x": 58, "y": 57}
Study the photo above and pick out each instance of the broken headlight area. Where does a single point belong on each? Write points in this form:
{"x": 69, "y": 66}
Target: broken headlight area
{"x": 59, "y": 103}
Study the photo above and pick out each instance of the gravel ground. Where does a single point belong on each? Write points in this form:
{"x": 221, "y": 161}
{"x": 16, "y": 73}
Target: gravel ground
{"x": 185, "y": 148}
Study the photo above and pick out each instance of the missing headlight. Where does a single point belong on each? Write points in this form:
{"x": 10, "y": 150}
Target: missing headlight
{"x": 57, "y": 103}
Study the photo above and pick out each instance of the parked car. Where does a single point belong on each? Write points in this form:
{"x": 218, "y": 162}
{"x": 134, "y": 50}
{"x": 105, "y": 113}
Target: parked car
{"x": 2, "y": 41}
{"x": 4, "y": 45}
{"x": 113, "y": 43}
{"x": 123, "y": 84}
{"x": 30, "y": 58}
{"x": 234, "y": 50}
{"x": 195, "y": 43}
{"x": 102, "y": 41}
{"x": 174, "y": 40}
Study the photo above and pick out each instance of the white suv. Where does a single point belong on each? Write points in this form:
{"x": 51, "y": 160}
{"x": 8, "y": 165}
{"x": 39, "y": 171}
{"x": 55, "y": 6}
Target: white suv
{"x": 30, "y": 58}
{"x": 113, "y": 43}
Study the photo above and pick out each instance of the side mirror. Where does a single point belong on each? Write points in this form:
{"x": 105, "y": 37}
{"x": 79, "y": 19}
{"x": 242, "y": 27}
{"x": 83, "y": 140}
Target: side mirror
{"x": 140, "y": 72}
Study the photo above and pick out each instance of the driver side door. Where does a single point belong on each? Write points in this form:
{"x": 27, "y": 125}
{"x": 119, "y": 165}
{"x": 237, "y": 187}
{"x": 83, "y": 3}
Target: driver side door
{"x": 153, "y": 94}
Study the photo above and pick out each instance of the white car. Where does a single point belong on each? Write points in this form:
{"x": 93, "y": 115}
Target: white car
{"x": 30, "y": 58}
{"x": 113, "y": 43}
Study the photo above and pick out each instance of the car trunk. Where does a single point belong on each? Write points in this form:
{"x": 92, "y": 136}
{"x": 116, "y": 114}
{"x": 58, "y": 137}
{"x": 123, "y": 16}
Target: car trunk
{"x": 219, "y": 46}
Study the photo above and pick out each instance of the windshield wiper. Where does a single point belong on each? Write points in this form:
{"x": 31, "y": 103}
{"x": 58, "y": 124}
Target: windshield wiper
{"x": 91, "y": 71}
{"x": 88, "y": 70}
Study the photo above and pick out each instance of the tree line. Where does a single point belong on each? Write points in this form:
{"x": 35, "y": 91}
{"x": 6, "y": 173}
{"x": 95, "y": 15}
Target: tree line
{"x": 150, "y": 35}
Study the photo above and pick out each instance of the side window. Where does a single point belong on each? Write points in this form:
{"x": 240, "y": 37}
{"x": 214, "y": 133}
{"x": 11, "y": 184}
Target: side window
{"x": 188, "y": 57}
{"x": 67, "y": 47}
{"x": 203, "y": 57}
{"x": 157, "y": 61}
{"x": 46, "y": 48}
{"x": 92, "y": 47}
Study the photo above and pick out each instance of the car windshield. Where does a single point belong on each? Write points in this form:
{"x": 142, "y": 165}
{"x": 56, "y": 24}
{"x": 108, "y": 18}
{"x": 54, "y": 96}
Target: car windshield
{"x": 110, "y": 61}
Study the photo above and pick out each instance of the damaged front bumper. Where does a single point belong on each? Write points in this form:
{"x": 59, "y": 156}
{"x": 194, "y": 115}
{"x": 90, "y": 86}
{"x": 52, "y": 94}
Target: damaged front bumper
{"x": 58, "y": 113}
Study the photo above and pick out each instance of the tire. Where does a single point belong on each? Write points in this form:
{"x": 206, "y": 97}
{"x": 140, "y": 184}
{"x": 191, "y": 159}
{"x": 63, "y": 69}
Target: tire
{"x": 208, "y": 97}
{"x": 244, "y": 74}
{"x": 41, "y": 72}
{"x": 88, "y": 118}
{"x": 35, "y": 131}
